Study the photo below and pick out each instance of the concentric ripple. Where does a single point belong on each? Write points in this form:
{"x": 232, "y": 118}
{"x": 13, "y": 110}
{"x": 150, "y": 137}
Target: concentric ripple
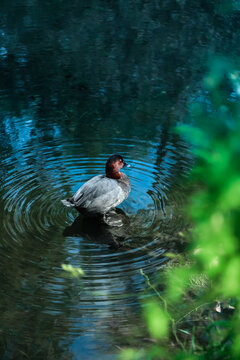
{"x": 48, "y": 234}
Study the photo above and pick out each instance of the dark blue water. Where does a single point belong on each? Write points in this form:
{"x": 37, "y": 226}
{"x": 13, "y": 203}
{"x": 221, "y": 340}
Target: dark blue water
{"x": 80, "y": 82}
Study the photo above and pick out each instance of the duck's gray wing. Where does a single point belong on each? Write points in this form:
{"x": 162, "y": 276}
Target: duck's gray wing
{"x": 99, "y": 194}
{"x": 87, "y": 189}
{"x": 90, "y": 189}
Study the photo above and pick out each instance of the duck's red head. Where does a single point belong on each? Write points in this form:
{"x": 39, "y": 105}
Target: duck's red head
{"x": 114, "y": 165}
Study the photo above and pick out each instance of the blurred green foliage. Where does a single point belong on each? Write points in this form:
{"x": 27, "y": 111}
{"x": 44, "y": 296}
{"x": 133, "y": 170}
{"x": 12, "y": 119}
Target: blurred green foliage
{"x": 194, "y": 317}
{"x": 75, "y": 272}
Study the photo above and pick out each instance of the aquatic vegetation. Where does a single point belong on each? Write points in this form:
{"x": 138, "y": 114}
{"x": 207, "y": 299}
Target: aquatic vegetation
{"x": 197, "y": 315}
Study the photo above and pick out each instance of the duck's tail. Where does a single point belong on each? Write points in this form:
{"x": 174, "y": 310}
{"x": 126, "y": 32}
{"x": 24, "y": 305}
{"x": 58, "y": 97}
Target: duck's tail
{"x": 67, "y": 202}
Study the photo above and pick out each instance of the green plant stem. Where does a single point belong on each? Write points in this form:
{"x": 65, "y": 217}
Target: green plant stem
{"x": 174, "y": 330}
{"x": 155, "y": 290}
{"x": 188, "y": 313}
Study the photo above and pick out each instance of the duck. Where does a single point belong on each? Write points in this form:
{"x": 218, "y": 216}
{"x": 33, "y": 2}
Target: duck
{"x": 102, "y": 193}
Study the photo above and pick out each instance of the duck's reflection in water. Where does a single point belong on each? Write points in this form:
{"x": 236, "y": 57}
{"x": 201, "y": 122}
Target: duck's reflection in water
{"x": 111, "y": 229}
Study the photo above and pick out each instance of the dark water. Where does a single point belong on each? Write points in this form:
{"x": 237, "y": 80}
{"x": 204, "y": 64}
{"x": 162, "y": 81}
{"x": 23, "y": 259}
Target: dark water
{"x": 80, "y": 82}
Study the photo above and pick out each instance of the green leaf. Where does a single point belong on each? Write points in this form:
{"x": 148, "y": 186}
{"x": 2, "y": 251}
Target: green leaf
{"x": 73, "y": 271}
{"x": 231, "y": 278}
{"x": 157, "y": 320}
